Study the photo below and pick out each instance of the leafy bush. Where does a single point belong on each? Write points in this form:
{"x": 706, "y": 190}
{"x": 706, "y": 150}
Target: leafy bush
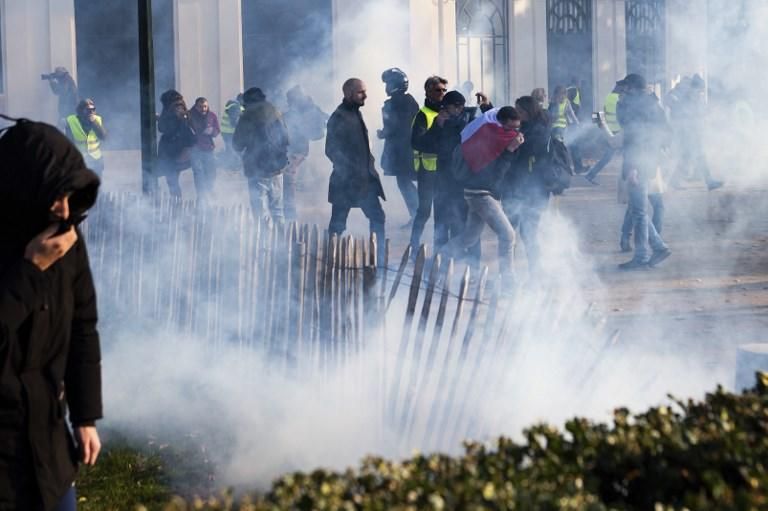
{"x": 708, "y": 455}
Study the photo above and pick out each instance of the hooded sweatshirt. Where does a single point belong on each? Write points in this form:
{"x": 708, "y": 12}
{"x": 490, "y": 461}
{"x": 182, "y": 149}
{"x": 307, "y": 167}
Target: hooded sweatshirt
{"x": 50, "y": 358}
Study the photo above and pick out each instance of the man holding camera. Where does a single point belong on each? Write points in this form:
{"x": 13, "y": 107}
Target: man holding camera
{"x": 63, "y": 85}
{"x": 86, "y": 130}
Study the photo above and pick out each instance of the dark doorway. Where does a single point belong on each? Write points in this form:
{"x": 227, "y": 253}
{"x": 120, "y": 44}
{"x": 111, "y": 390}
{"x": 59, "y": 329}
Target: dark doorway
{"x": 108, "y": 62}
{"x": 645, "y": 22}
{"x": 482, "y": 47}
{"x": 287, "y": 42}
{"x": 569, "y": 47}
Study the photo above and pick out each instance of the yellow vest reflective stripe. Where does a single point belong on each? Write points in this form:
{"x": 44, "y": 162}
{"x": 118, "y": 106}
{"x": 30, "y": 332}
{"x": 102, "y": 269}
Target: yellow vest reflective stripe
{"x": 427, "y": 161}
{"x": 560, "y": 121}
{"x": 88, "y": 143}
{"x": 225, "y": 125}
{"x": 611, "y": 102}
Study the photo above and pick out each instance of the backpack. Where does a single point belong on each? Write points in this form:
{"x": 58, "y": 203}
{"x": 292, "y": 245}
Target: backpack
{"x": 557, "y": 168}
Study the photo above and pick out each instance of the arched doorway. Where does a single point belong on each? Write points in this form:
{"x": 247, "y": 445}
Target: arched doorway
{"x": 482, "y": 47}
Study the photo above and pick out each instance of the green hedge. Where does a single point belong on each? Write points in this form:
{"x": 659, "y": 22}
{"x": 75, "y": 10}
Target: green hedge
{"x": 709, "y": 455}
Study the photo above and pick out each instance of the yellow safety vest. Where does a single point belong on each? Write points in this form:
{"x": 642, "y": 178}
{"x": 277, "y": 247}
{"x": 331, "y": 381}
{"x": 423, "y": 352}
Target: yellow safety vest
{"x": 577, "y": 98}
{"x": 225, "y": 125}
{"x": 611, "y": 102}
{"x": 87, "y": 143}
{"x": 560, "y": 121}
{"x": 427, "y": 161}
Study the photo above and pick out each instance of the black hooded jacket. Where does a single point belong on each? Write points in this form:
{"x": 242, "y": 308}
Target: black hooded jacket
{"x": 397, "y": 115}
{"x": 50, "y": 358}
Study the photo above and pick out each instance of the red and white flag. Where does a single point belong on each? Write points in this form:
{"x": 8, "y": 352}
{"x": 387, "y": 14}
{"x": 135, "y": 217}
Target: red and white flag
{"x": 484, "y": 139}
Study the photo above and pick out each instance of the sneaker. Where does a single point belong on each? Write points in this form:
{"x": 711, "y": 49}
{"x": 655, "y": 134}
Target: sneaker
{"x": 591, "y": 180}
{"x": 634, "y": 264}
{"x": 658, "y": 256}
{"x": 714, "y": 184}
{"x": 625, "y": 245}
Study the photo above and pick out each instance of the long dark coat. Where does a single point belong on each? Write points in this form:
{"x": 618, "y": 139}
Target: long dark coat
{"x": 347, "y": 146}
{"x": 49, "y": 347}
{"x": 397, "y": 115}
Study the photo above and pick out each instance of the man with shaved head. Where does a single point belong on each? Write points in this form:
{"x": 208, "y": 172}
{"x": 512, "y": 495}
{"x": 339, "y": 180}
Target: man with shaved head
{"x": 354, "y": 180}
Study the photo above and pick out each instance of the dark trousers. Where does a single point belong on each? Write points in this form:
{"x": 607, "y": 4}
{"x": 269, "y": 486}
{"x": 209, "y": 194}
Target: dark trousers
{"x": 451, "y": 212}
{"x": 372, "y": 210}
{"x": 427, "y": 182}
{"x": 410, "y": 195}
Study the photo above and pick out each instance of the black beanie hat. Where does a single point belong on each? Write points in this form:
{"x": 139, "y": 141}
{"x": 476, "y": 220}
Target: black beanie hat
{"x": 453, "y": 97}
{"x": 253, "y": 95}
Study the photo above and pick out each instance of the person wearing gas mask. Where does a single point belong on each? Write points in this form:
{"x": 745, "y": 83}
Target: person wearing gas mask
{"x": 397, "y": 117}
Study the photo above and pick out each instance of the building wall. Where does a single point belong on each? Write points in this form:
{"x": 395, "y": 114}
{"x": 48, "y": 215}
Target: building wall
{"x": 209, "y": 50}
{"x": 38, "y": 36}
{"x": 417, "y": 35}
{"x": 527, "y": 46}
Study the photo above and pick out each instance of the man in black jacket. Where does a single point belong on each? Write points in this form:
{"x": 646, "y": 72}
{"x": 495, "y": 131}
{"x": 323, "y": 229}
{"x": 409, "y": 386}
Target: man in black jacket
{"x": 263, "y": 137}
{"x": 450, "y": 207}
{"x": 645, "y": 131}
{"x": 424, "y": 143}
{"x": 354, "y": 181}
{"x": 50, "y": 358}
{"x": 397, "y": 158}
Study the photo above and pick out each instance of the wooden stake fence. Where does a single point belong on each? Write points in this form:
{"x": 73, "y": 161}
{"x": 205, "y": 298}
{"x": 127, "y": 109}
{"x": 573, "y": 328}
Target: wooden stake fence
{"x": 313, "y": 303}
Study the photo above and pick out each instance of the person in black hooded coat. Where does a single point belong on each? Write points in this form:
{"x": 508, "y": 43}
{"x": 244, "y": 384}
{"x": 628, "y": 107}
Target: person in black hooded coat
{"x": 50, "y": 359}
{"x": 525, "y": 195}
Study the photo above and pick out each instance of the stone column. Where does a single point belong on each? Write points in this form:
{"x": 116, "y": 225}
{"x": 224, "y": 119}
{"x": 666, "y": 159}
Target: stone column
{"x": 527, "y": 46}
{"x": 39, "y": 35}
{"x": 209, "y": 51}
{"x": 609, "y": 47}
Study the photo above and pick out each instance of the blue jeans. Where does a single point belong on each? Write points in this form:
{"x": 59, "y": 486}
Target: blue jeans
{"x": 604, "y": 160}
{"x": 204, "y": 173}
{"x": 525, "y": 214}
{"x": 657, "y": 220}
{"x": 68, "y": 502}
{"x": 638, "y": 211}
{"x": 269, "y": 190}
{"x": 484, "y": 210}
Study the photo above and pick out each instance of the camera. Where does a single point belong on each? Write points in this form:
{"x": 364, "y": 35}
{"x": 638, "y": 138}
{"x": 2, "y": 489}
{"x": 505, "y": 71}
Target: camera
{"x": 49, "y": 76}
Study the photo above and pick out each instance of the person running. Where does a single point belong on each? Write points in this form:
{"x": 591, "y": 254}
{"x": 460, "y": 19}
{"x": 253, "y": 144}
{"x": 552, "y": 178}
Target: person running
{"x": 483, "y": 159}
